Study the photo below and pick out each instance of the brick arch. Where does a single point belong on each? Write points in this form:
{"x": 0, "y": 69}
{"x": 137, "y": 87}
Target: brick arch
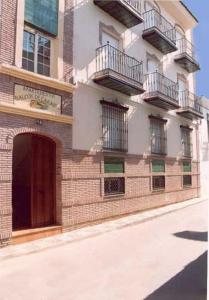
{"x": 59, "y": 147}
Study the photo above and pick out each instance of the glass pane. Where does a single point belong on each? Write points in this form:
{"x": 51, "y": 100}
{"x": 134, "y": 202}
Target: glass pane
{"x": 113, "y": 165}
{"x": 158, "y": 165}
{"x": 28, "y": 51}
{"x": 187, "y": 166}
{"x": 42, "y": 14}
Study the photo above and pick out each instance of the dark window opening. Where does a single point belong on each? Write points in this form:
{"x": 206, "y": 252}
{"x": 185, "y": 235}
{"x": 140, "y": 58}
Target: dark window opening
{"x": 158, "y": 182}
{"x": 114, "y": 185}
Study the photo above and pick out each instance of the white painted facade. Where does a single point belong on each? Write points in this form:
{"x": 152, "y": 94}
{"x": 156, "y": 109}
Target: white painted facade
{"x": 204, "y": 149}
{"x": 87, "y": 110}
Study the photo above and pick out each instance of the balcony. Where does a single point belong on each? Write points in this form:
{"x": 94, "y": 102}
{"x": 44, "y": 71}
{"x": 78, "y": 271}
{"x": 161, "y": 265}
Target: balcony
{"x": 186, "y": 56}
{"x": 190, "y": 106}
{"x": 128, "y": 12}
{"x": 118, "y": 71}
{"x": 159, "y": 32}
{"x": 161, "y": 91}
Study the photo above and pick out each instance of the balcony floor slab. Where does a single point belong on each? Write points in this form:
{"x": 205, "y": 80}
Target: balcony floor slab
{"x": 159, "y": 40}
{"x": 118, "y": 82}
{"x": 121, "y": 11}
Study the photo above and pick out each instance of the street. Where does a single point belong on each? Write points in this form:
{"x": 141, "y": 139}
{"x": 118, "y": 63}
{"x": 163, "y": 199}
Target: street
{"x": 164, "y": 258}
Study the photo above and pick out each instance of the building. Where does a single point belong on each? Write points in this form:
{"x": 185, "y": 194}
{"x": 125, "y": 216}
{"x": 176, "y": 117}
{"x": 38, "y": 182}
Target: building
{"x": 98, "y": 112}
{"x": 35, "y": 113}
{"x": 204, "y": 148}
{"x": 135, "y": 109}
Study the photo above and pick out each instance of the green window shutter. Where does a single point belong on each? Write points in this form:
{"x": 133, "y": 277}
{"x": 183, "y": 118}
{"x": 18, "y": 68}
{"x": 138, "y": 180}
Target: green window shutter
{"x": 158, "y": 166}
{"x": 113, "y": 165}
{"x": 187, "y": 167}
{"x": 42, "y": 14}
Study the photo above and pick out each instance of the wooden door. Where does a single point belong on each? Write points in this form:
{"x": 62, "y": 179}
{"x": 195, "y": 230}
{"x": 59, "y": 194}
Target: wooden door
{"x": 43, "y": 182}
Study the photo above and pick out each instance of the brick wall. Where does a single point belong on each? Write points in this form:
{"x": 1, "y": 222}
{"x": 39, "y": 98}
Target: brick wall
{"x": 84, "y": 181}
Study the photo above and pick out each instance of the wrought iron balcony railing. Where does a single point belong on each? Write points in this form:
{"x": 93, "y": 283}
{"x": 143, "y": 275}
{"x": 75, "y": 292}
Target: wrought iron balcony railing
{"x": 154, "y": 20}
{"x": 185, "y": 46}
{"x": 186, "y": 55}
{"x": 108, "y": 57}
{"x": 158, "y": 83}
{"x": 190, "y": 101}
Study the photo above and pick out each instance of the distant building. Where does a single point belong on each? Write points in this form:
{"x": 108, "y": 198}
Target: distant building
{"x": 204, "y": 149}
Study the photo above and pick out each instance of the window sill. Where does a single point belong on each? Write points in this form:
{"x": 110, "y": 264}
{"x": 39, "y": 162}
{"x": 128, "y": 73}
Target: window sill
{"x": 158, "y": 191}
{"x": 114, "y": 195}
{"x": 36, "y": 78}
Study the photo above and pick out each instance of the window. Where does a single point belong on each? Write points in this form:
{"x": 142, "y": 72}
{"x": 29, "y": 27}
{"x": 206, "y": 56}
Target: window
{"x": 158, "y": 136}
{"x": 42, "y": 14}
{"x": 158, "y": 182}
{"x": 114, "y": 185}
{"x": 158, "y": 166}
{"x": 187, "y": 180}
{"x": 187, "y": 166}
{"x": 36, "y": 53}
{"x": 115, "y": 126}
{"x": 186, "y": 141}
{"x": 113, "y": 165}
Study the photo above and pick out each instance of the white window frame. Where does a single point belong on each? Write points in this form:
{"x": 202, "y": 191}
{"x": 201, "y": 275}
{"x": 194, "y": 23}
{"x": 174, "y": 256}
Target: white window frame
{"x": 37, "y": 34}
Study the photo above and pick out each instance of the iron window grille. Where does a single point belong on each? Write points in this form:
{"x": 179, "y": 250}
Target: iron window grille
{"x": 36, "y": 53}
{"x": 114, "y": 186}
{"x": 110, "y": 58}
{"x": 114, "y": 126}
{"x": 153, "y": 18}
{"x": 187, "y": 180}
{"x": 186, "y": 141}
{"x": 158, "y": 136}
{"x": 158, "y": 183}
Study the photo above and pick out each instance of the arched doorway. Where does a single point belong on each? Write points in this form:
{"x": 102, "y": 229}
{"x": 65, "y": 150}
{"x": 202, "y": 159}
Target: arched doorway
{"x": 34, "y": 181}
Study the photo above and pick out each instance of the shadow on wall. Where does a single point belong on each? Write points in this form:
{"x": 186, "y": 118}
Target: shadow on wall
{"x": 193, "y": 235}
{"x": 189, "y": 284}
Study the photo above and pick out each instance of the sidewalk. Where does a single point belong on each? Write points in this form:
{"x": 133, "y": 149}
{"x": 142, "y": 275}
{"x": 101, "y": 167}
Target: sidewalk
{"x": 92, "y": 231}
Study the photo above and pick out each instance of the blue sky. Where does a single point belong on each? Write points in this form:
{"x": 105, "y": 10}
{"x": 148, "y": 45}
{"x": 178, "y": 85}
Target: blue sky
{"x": 200, "y": 8}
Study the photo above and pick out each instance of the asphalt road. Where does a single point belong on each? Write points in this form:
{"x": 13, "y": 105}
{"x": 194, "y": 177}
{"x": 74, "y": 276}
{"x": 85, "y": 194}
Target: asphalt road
{"x": 163, "y": 259}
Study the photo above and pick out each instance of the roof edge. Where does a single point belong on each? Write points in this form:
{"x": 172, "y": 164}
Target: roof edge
{"x": 189, "y": 11}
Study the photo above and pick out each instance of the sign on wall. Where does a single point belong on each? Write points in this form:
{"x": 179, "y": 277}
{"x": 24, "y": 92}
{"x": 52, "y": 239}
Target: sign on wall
{"x": 29, "y": 98}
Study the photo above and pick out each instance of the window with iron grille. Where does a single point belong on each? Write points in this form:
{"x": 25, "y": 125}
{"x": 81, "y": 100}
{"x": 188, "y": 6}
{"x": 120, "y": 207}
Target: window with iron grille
{"x": 186, "y": 141}
{"x": 36, "y": 53}
{"x": 187, "y": 180}
{"x": 158, "y": 136}
{"x": 115, "y": 126}
{"x": 158, "y": 183}
{"x": 114, "y": 185}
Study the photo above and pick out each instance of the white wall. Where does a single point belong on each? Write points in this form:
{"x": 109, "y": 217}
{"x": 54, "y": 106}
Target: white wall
{"x": 87, "y": 129}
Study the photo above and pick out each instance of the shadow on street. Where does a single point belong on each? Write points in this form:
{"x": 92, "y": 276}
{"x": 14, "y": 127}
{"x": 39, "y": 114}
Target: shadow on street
{"x": 189, "y": 284}
{"x": 193, "y": 235}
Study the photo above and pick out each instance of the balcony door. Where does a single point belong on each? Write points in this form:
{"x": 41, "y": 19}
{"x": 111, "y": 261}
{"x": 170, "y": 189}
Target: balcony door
{"x": 111, "y": 54}
{"x": 182, "y": 92}
{"x": 34, "y": 182}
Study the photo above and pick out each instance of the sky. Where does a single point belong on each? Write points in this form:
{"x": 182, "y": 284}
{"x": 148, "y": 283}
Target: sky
{"x": 200, "y": 8}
